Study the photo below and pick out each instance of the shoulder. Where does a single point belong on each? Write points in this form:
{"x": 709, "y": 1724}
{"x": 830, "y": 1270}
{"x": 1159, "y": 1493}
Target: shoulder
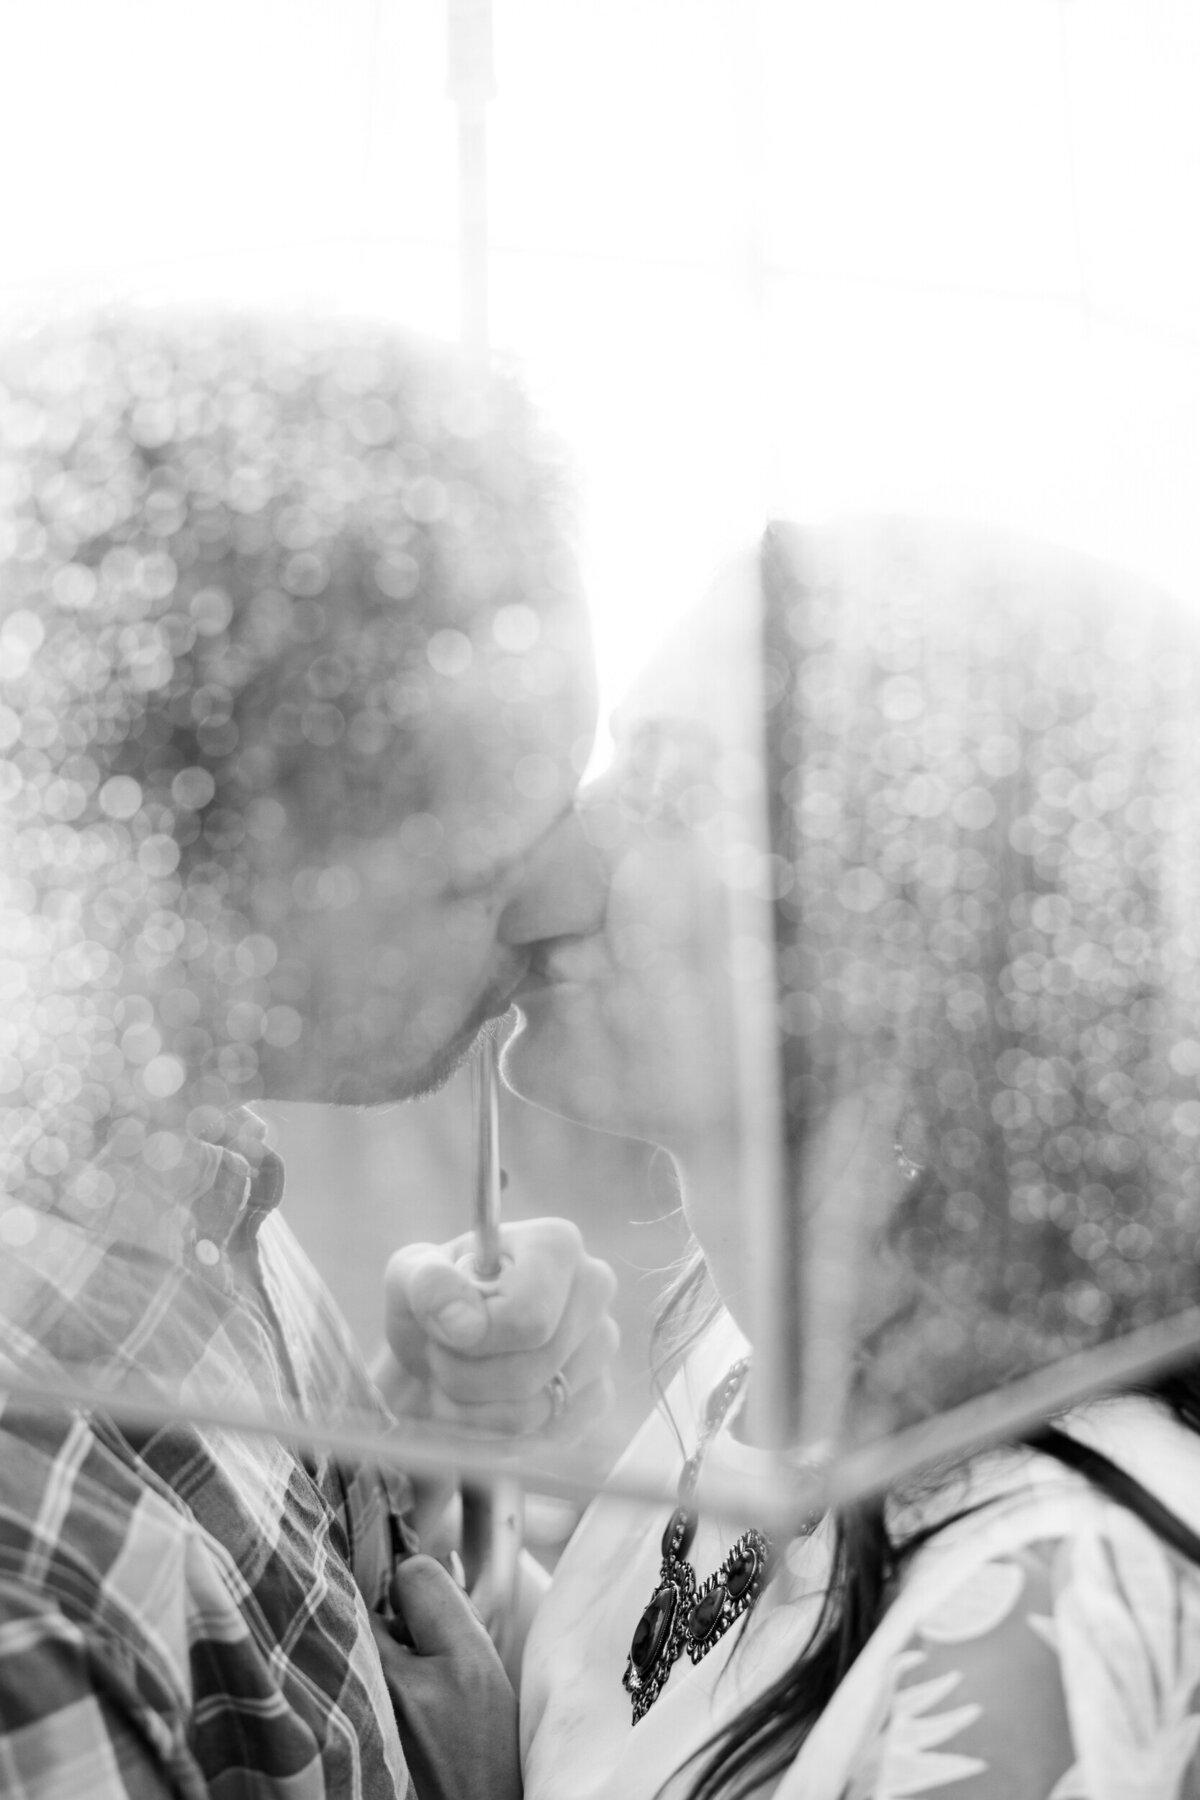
{"x": 1051, "y": 1640}
{"x": 92, "y": 1568}
{"x": 1020, "y": 1519}
{"x": 82, "y": 1712}
{"x": 71, "y": 1496}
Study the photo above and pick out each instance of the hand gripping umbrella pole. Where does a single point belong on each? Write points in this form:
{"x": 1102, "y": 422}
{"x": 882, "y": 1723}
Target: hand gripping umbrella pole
{"x": 492, "y": 1516}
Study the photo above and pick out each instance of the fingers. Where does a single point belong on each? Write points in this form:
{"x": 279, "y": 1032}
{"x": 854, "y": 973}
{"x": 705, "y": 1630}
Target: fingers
{"x": 585, "y": 1330}
{"x": 519, "y": 1421}
{"x": 434, "y": 1615}
{"x": 509, "y": 1393}
{"x": 485, "y": 1354}
{"x": 455, "y": 1709}
{"x": 429, "y": 1294}
{"x": 423, "y": 1290}
{"x": 549, "y": 1294}
{"x": 547, "y": 1291}
{"x": 431, "y": 1288}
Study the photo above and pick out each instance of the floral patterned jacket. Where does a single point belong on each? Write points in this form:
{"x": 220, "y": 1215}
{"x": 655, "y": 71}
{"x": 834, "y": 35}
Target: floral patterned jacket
{"x": 1047, "y": 1648}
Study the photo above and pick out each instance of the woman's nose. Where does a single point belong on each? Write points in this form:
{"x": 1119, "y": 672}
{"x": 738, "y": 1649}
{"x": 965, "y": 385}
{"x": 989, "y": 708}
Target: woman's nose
{"x": 563, "y": 892}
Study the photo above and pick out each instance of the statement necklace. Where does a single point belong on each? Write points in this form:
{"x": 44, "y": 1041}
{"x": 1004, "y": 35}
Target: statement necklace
{"x": 683, "y": 1614}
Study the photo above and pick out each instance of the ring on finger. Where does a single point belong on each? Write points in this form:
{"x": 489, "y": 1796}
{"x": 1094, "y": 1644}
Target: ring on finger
{"x": 558, "y": 1392}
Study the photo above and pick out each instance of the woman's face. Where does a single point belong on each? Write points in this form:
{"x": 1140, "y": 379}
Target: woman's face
{"x": 627, "y": 1010}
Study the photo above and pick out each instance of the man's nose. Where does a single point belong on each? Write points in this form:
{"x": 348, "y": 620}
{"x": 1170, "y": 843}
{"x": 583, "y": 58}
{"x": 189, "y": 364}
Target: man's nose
{"x": 563, "y": 892}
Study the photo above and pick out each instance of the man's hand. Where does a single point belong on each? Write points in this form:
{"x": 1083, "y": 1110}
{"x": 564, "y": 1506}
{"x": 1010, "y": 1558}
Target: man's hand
{"x": 483, "y": 1358}
{"x": 455, "y": 1709}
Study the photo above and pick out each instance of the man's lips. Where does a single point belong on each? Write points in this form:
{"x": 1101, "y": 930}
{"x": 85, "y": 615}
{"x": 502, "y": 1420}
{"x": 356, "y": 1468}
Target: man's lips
{"x": 503, "y": 992}
{"x": 533, "y": 986}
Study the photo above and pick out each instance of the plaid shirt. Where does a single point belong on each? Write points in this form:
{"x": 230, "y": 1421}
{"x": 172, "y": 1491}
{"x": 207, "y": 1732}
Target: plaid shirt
{"x": 186, "y": 1613}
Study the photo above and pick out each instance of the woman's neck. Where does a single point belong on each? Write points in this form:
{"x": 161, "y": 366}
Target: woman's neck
{"x": 709, "y": 1182}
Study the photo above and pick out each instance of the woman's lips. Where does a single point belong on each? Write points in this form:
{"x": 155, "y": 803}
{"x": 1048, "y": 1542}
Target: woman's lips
{"x": 539, "y": 983}
{"x": 547, "y": 974}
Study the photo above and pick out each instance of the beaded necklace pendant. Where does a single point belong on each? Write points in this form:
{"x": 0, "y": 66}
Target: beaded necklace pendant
{"x": 727, "y": 1594}
{"x": 658, "y": 1641}
{"x": 681, "y": 1615}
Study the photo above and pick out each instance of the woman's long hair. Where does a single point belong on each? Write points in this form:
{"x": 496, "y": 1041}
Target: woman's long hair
{"x": 984, "y": 774}
{"x": 984, "y": 778}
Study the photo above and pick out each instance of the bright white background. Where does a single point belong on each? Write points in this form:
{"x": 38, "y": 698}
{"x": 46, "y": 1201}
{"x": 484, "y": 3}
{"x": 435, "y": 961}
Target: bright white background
{"x": 753, "y": 255}
{"x": 938, "y": 255}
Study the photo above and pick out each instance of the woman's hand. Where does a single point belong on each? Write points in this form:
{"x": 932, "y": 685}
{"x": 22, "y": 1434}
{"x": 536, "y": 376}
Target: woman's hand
{"x": 487, "y": 1358}
{"x": 455, "y": 1709}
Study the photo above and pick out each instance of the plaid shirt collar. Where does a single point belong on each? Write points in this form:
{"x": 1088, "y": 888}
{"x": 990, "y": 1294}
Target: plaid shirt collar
{"x": 182, "y": 1198}
{"x": 129, "y": 1271}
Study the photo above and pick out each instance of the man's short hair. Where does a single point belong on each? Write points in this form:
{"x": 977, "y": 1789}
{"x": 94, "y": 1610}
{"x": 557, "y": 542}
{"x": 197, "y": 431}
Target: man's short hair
{"x": 243, "y": 562}
{"x": 267, "y": 542}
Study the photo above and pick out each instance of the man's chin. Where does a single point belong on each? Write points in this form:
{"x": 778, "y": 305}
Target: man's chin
{"x": 436, "y": 1074}
{"x": 364, "y": 1088}
{"x": 378, "y": 1078}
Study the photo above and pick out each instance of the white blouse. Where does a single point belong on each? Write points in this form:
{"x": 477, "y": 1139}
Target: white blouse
{"x": 578, "y": 1739}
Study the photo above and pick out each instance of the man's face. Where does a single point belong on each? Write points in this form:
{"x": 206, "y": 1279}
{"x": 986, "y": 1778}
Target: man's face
{"x": 393, "y": 951}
